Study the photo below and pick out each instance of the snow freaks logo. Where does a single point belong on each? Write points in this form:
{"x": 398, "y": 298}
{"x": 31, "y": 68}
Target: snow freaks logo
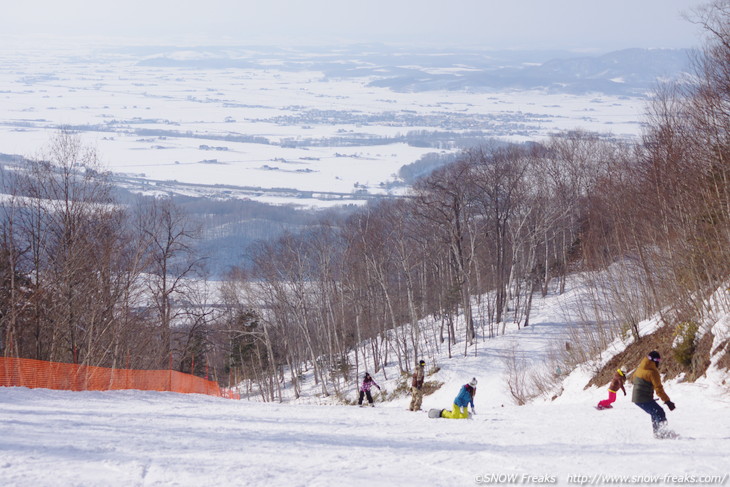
{"x": 515, "y": 478}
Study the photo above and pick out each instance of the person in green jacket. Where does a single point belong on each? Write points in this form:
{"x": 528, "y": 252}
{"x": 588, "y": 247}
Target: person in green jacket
{"x": 647, "y": 381}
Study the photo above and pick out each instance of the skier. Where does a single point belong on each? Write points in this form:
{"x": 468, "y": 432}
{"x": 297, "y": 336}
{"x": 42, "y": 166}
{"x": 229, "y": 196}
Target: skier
{"x": 619, "y": 377}
{"x": 417, "y": 386}
{"x": 463, "y": 399}
{"x": 367, "y": 383}
{"x": 646, "y": 381}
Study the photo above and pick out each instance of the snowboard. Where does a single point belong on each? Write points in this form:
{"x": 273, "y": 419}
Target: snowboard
{"x": 434, "y": 413}
{"x": 601, "y": 408}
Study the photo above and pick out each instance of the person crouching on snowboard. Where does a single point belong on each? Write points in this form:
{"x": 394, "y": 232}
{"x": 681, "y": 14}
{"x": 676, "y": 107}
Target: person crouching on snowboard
{"x": 367, "y": 383}
{"x": 646, "y": 382}
{"x": 463, "y": 399}
{"x": 619, "y": 377}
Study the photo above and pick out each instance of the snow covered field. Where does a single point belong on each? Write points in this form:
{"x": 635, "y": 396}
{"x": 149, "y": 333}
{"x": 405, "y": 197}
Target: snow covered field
{"x": 259, "y": 120}
{"x": 59, "y": 438}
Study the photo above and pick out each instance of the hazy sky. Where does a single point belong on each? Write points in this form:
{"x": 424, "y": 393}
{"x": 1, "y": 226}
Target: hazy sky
{"x": 572, "y": 24}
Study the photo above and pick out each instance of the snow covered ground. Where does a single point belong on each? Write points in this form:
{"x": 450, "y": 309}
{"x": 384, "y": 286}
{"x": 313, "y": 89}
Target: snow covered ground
{"x": 54, "y": 438}
{"x": 134, "y": 438}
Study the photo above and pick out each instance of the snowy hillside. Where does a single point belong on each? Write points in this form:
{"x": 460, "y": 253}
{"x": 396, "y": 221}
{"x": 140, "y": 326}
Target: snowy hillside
{"x": 50, "y": 438}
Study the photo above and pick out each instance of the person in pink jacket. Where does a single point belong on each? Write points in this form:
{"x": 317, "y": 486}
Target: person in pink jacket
{"x": 367, "y": 384}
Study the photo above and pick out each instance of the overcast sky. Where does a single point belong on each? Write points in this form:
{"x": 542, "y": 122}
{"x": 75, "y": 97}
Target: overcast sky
{"x": 548, "y": 24}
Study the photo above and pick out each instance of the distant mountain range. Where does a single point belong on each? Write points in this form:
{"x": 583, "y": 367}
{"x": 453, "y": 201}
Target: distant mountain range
{"x": 630, "y": 72}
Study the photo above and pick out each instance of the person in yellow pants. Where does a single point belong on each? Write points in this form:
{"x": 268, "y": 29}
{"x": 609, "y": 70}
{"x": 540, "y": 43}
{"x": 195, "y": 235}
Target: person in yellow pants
{"x": 463, "y": 399}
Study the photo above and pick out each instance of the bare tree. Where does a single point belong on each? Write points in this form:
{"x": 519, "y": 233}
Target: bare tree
{"x": 500, "y": 179}
{"x": 172, "y": 264}
{"x": 66, "y": 222}
{"x": 444, "y": 199}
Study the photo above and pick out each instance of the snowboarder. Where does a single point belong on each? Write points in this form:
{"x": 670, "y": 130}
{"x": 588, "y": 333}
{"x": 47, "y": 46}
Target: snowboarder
{"x": 417, "y": 386}
{"x": 619, "y": 377}
{"x": 646, "y": 381}
{"x": 367, "y": 383}
{"x": 463, "y": 399}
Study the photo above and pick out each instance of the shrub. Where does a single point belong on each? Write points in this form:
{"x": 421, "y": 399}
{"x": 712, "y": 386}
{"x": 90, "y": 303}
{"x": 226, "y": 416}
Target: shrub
{"x": 685, "y": 337}
{"x": 403, "y": 387}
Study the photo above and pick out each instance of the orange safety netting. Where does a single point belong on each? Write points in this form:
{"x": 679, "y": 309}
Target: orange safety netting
{"x": 23, "y": 372}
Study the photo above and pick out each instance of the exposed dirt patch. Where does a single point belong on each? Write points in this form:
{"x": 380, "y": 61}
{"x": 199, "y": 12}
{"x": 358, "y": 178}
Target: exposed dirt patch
{"x": 702, "y": 356}
{"x": 724, "y": 349}
{"x": 661, "y": 341}
{"x": 431, "y": 386}
{"x": 403, "y": 387}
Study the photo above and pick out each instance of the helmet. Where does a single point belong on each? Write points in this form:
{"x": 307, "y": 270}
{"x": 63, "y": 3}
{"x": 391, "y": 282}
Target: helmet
{"x": 654, "y": 356}
{"x": 473, "y": 382}
{"x": 620, "y": 371}
{"x": 421, "y": 363}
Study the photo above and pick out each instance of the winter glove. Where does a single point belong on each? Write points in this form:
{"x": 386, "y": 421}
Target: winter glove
{"x": 670, "y": 405}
